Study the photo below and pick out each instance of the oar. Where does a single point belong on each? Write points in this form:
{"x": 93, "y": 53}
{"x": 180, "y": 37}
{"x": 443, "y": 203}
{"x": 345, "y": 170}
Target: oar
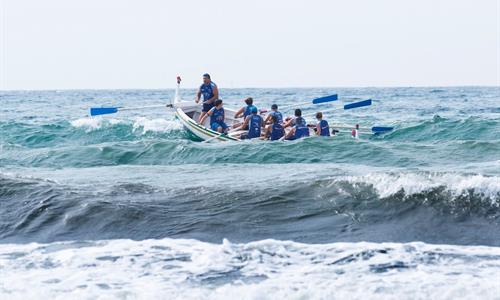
{"x": 320, "y": 100}
{"x": 358, "y": 104}
{"x": 381, "y": 129}
{"x": 96, "y": 111}
{"x": 346, "y": 107}
{"x": 230, "y": 133}
{"x": 374, "y": 129}
{"x": 215, "y": 137}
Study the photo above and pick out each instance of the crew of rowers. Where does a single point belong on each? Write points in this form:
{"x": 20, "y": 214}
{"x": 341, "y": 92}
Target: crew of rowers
{"x": 254, "y": 125}
{"x": 272, "y": 127}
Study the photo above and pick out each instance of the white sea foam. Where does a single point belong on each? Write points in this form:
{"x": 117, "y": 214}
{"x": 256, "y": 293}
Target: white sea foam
{"x": 87, "y": 123}
{"x": 93, "y": 123}
{"x": 115, "y": 121}
{"x": 269, "y": 269}
{"x": 388, "y": 184}
{"x": 155, "y": 125}
{"x": 141, "y": 124}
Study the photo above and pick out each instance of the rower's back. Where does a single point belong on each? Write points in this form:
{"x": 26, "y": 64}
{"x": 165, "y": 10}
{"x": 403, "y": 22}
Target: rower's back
{"x": 254, "y": 124}
{"x": 300, "y": 125}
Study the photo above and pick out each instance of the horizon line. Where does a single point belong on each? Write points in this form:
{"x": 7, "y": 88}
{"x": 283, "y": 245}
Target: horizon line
{"x": 234, "y": 88}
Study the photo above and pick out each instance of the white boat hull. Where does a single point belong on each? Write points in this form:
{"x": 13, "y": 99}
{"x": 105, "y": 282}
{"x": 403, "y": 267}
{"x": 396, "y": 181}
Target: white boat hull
{"x": 188, "y": 113}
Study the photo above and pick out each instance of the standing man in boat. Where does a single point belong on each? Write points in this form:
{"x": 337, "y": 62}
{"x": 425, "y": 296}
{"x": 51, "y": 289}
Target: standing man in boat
{"x": 210, "y": 93}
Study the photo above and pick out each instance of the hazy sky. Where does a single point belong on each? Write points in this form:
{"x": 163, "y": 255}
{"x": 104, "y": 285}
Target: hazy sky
{"x": 76, "y": 44}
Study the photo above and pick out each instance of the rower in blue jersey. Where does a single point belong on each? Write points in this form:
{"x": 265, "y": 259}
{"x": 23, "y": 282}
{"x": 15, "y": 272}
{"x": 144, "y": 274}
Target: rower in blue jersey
{"x": 275, "y": 131}
{"x": 274, "y": 112}
{"x": 322, "y": 127}
{"x": 217, "y": 115}
{"x": 210, "y": 93}
{"x": 245, "y": 111}
{"x": 254, "y": 123}
{"x": 299, "y": 126}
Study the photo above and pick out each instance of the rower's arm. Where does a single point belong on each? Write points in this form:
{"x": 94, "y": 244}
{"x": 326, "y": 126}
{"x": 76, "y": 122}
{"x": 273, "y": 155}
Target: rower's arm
{"x": 267, "y": 132}
{"x": 239, "y": 113}
{"x": 288, "y": 123}
{"x": 202, "y": 120}
{"x": 245, "y": 123}
{"x": 318, "y": 129}
{"x": 268, "y": 119}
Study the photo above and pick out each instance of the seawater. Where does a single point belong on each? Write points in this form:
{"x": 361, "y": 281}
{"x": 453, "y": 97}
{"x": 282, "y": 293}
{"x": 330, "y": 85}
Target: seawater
{"x": 129, "y": 206}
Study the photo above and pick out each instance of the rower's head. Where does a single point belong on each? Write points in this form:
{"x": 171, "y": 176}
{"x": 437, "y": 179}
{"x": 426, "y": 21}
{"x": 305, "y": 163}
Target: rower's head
{"x": 206, "y": 78}
{"x": 319, "y": 115}
{"x": 218, "y": 103}
{"x": 249, "y": 101}
{"x": 253, "y": 110}
{"x": 298, "y": 112}
{"x": 274, "y": 107}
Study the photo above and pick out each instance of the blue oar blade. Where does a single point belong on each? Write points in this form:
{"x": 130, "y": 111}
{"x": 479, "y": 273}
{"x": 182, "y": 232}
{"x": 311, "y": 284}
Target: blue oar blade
{"x": 325, "y": 99}
{"x": 95, "y": 111}
{"x": 358, "y": 104}
{"x": 381, "y": 129}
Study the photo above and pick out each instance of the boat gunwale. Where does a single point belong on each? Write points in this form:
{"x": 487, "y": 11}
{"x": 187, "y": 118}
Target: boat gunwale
{"x": 193, "y": 125}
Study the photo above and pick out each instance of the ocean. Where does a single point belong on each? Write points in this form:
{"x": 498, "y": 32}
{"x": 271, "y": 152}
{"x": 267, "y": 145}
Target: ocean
{"x": 129, "y": 206}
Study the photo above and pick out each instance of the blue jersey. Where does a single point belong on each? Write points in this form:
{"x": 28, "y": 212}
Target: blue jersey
{"x": 278, "y": 116}
{"x": 248, "y": 111}
{"x": 277, "y": 131}
{"x": 217, "y": 115}
{"x": 254, "y": 126}
{"x": 300, "y": 126}
{"x": 207, "y": 90}
{"x": 324, "y": 128}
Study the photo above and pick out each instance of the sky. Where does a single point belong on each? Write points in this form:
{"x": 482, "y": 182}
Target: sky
{"x": 125, "y": 44}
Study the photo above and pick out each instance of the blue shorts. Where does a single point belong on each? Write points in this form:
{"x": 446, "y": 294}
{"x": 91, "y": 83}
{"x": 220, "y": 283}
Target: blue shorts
{"x": 207, "y": 107}
{"x": 216, "y": 125}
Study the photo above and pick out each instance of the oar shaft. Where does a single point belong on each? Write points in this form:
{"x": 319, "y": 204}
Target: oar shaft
{"x": 346, "y": 126}
{"x": 320, "y": 100}
{"x": 294, "y": 105}
{"x": 348, "y": 106}
{"x": 142, "y": 107}
{"x": 96, "y": 111}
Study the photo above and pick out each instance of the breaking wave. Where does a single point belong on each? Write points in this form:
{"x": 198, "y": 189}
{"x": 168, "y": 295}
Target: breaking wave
{"x": 267, "y": 269}
{"x": 346, "y": 208}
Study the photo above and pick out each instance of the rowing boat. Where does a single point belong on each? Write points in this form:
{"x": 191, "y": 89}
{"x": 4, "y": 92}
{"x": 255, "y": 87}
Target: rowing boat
{"x": 188, "y": 112}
